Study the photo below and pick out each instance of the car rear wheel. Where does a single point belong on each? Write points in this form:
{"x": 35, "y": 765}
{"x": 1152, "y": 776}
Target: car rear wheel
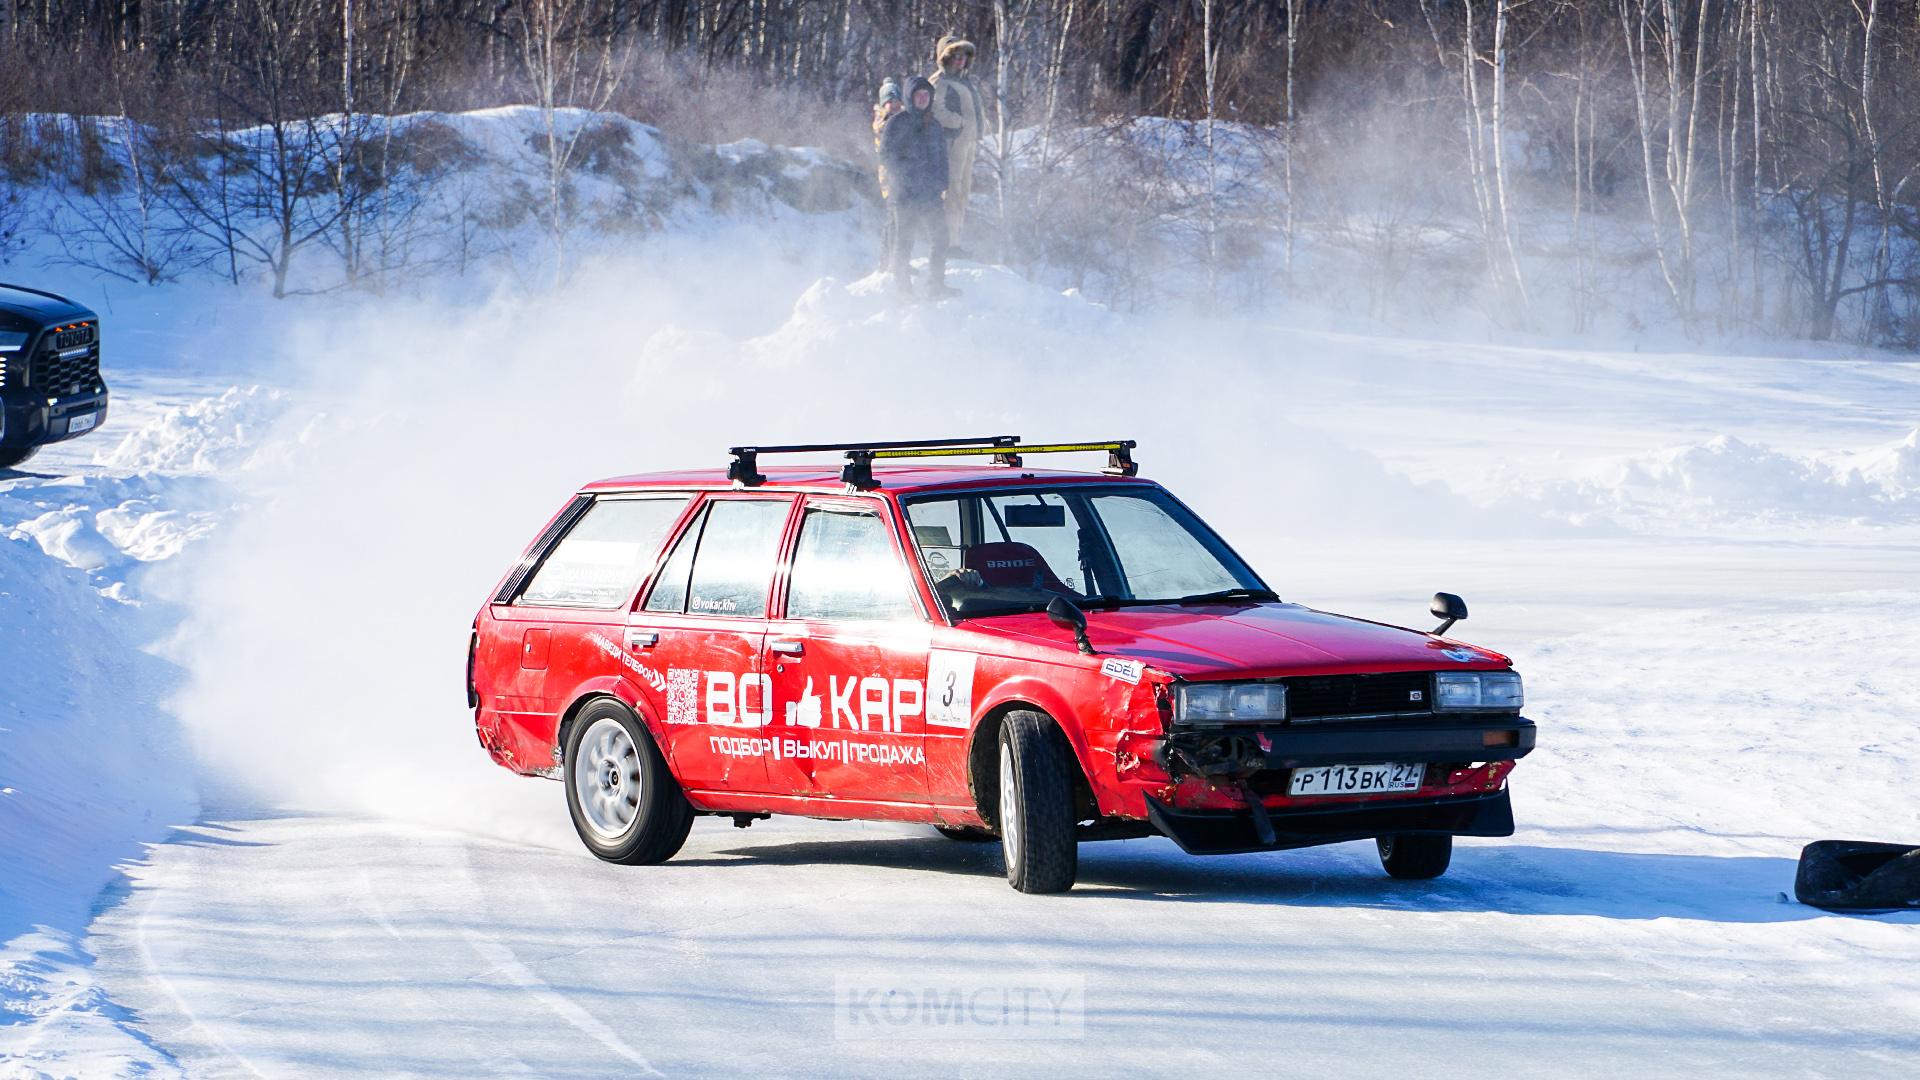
{"x": 1036, "y": 805}
{"x": 625, "y": 804}
{"x": 1415, "y": 856}
{"x": 10, "y": 458}
{"x": 965, "y": 834}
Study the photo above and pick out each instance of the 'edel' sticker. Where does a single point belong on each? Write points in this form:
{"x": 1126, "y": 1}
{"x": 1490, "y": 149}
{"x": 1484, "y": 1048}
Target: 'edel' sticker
{"x": 949, "y": 689}
{"x": 1127, "y": 671}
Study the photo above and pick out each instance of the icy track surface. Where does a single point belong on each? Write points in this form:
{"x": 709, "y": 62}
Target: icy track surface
{"x": 308, "y": 946}
{"x": 245, "y": 829}
{"x": 1639, "y": 919}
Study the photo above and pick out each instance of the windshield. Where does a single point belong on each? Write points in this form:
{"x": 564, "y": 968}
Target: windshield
{"x": 1000, "y": 551}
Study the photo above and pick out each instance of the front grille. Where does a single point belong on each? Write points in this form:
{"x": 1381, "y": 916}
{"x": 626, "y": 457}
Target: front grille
{"x": 1312, "y": 697}
{"x": 60, "y": 369}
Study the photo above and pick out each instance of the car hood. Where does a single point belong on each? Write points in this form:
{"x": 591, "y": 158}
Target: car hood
{"x": 38, "y": 306}
{"x": 1255, "y": 640}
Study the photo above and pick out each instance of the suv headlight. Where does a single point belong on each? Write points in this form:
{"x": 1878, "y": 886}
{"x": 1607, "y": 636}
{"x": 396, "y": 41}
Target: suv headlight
{"x": 10, "y": 344}
{"x": 1484, "y": 691}
{"x": 1230, "y": 703}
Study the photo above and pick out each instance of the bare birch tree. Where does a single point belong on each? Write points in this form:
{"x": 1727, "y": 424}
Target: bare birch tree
{"x": 568, "y": 65}
{"x": 1655, "y": 33}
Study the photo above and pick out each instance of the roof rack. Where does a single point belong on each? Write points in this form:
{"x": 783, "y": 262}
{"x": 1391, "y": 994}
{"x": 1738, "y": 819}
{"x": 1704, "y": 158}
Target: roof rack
{"x": 1007, "y": 450}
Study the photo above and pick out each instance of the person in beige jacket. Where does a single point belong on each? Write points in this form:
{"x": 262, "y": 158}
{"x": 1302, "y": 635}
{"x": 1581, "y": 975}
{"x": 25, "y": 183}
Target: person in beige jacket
{"x": 957, "y": 106}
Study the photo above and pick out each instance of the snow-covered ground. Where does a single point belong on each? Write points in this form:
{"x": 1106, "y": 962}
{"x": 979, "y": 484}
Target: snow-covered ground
{"x": 245, "y": 828}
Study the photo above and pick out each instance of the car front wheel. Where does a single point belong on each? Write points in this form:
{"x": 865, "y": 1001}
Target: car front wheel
{"x": 625, "y": 804}
{"x": 1415, "y": 856}
{"x": 10, "y": 458}
{"x": 1036, "y": 805}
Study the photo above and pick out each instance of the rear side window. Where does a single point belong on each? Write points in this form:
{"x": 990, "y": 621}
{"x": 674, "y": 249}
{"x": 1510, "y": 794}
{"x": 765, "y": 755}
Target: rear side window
{"x": 670, "y": 588}
{"x": 724, "y": 566}
{"x": 601, "y": 559}
{"x": 845, "y": 568}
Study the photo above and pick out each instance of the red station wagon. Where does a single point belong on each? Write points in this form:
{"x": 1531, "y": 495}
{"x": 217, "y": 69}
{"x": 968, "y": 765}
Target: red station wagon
{"x": 998, "y": 651}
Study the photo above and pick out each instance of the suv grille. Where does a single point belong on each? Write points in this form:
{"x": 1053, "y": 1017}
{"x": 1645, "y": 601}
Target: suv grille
{"x": 73, "y": 372}
{"x": 1312, "y": 697}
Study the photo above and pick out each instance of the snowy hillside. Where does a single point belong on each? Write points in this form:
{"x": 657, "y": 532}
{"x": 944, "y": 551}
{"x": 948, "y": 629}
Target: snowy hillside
{"x": 512, "y": 193}
{"x": 248, "y": 829}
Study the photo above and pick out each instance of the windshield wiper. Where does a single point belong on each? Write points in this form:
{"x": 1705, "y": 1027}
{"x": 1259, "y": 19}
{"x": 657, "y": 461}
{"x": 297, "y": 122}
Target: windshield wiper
{"x": 1257, "y": 595}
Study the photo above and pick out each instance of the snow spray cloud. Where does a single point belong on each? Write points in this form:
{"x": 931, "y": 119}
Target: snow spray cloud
{"x": 329, "y": 621}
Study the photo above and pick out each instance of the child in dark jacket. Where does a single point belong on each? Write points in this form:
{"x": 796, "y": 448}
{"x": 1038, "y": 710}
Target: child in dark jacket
{"x": 913, "y": 151}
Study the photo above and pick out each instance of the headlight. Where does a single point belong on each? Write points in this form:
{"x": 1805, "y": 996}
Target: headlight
{"x": 1230, "y": 703}
{"x": 1460, "y": 691}
{"x": 10, "y": 343}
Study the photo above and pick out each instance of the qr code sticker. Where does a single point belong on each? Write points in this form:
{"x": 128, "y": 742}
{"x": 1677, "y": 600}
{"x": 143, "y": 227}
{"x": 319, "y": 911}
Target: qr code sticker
{"x": 683, "y": 696}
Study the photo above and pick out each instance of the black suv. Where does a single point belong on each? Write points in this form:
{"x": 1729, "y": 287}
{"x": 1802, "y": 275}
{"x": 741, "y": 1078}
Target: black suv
{"x": 50, "y": 385}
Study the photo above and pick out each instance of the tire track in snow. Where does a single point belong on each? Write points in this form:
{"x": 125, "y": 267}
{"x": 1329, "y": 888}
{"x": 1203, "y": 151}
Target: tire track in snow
{"x": 494, "y": 952}
{"x": 179, "y": 1002}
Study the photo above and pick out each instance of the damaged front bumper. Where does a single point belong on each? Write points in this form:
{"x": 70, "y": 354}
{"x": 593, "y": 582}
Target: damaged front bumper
{"x": 1229, "y": 787}
{"x": 1226, "y": 832}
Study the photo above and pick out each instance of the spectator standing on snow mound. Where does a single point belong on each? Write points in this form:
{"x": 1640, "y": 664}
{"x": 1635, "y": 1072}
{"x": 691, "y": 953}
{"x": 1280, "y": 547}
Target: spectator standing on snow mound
{"x": 913, "y": 150}
{"x": 888, "y": 104}
{"x": 956, "y": 104}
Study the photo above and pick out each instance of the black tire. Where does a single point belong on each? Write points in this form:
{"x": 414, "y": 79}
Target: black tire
{"x": 1036, "y": 804}
{"x": 1415, "y": 856}
{"x": 643, "y": 800}
{"x": 11, "y": 458}
{"x": 965, "y": 834}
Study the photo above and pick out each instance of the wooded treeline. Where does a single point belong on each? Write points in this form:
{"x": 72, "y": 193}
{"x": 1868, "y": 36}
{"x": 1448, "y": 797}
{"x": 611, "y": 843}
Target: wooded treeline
{"x": 1756, "y": 158}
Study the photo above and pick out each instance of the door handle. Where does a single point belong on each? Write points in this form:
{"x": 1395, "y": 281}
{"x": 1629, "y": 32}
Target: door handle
{"x": 641, "y": 639}
{"x": 789, "y": 648}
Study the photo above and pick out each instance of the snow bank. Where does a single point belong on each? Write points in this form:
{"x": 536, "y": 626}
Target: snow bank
{"x": 1725, "y": 480}
{"x": 92, "y": 767}
{"x": 201, "y": 437}
{"x": 1895, "y": 468}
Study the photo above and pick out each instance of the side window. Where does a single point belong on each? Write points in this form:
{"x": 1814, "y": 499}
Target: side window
{"x": 670, "y": 587}
{"x": 733, "y": 567}
{"x": 845, "y": 568}
{"x": 601, "y": 559}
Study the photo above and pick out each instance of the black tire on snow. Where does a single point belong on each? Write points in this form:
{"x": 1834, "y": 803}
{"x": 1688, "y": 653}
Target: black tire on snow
{"x": 1858, "y": 875}
{"x": 1415, "y": 856}
{"x": 966, "y": 834}
{"x": 1037, "y": 816}
{"x": 663, "y": 816}
{"x": 10, "y": 458}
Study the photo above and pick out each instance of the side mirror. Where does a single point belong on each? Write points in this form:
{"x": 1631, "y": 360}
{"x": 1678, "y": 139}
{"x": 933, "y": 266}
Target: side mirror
{"x": 1067, "y": 615}
{"x": 1449, "y": 608}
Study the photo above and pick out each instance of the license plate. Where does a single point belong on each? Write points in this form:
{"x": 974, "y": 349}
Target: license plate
{"x": 82, "y": 422}
{"x": 1356, "y": 779}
